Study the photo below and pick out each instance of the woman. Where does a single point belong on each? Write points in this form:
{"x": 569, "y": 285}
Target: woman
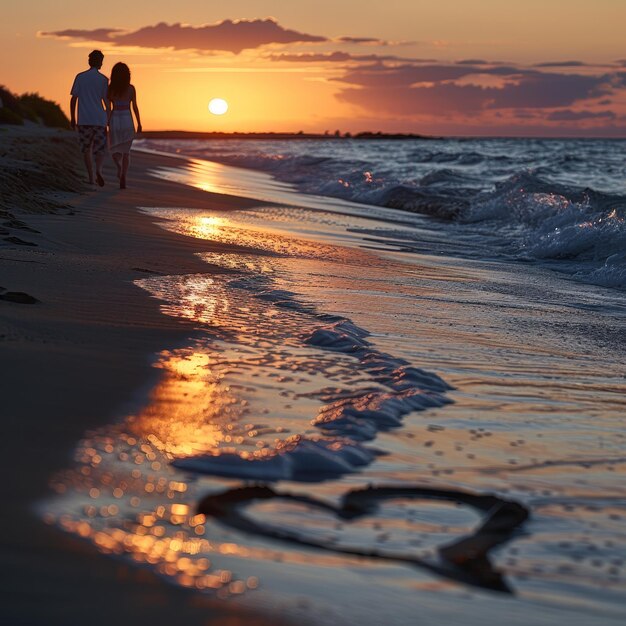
{"x": 121, "y": 129}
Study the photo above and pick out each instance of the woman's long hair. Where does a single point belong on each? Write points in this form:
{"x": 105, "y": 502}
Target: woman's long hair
{"x": 120, "y": 80}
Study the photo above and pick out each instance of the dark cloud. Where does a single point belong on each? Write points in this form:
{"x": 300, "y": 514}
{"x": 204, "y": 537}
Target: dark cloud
{"x": 620, "y": 79}
{"x": 99, "y": 34}
{"x": 567, "y": 115}
{"x": 230, "y": 36}
{"x": 548, "y": 91}
{"x": 332, "y": 57}
{"x": 523, "y": 114}
{"x": 365, "y": 40}
{"x": 440, "y": 89}
{"x": 384, "y": 76}
{"x": 561, "y": 64}
{"x": 508, "y": 70}
{"x": 472, "y": 62}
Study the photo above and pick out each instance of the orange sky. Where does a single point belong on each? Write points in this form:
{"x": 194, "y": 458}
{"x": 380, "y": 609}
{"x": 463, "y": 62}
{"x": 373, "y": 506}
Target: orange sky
{"x": 444, "y": 67}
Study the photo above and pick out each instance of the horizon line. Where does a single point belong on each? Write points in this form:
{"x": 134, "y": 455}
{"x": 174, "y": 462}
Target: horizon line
{"x": 408, "y": 135}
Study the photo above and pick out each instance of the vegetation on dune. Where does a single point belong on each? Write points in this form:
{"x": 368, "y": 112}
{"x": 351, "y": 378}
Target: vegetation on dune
{"x": 30, "y": 107}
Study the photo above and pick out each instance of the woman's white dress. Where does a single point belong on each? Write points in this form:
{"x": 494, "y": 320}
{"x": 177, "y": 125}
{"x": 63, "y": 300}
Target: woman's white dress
{"x": 121, "y": 127}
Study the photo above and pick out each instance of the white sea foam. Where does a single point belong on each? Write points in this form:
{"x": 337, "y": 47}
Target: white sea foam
{"x": 373, "y": 391}
{"x": 296, "y": 459}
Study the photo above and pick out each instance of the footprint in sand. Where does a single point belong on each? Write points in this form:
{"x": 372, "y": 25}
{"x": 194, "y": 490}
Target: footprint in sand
{"x": 18, "y": 241}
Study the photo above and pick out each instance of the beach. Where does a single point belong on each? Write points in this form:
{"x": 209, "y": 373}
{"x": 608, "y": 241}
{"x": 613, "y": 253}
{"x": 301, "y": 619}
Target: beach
{"x": 70, "y": 363}
{"x": 211, "y": 328}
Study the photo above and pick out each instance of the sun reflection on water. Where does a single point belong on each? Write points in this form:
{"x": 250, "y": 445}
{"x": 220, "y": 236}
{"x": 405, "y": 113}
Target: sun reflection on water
{"x": 208, "y": 227}
{"x": 192, "y": 427}
{"x": 126, "y": 498}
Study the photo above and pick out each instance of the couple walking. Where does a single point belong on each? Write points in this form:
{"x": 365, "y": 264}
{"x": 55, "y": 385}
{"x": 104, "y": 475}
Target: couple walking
{"x": 100, "y": 104}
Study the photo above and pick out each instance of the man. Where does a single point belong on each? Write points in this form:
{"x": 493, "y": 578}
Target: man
{"x": 90, "y": 91}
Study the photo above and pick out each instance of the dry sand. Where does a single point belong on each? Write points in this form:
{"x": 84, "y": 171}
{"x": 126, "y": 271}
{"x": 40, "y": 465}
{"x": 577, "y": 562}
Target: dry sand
{"x": 76, "y": 360}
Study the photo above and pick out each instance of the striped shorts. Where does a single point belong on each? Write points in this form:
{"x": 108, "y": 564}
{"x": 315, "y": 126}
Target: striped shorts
{"x": 92, "y": 138}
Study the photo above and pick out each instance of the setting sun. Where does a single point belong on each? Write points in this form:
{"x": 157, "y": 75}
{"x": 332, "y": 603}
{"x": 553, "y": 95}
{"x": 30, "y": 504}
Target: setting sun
{"x": 218, "y": 106}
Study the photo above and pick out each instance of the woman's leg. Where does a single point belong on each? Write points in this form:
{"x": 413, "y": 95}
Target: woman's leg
{"x": 125, "y": 163}
{"x": 117, "y": 158}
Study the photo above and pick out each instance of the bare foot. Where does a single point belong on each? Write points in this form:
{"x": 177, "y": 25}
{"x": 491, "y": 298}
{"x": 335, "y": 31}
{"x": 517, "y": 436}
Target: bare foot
{"x": 100, "y": 180}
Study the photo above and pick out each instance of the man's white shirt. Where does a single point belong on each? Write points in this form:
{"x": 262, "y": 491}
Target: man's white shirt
{"x": 91, "y": 89}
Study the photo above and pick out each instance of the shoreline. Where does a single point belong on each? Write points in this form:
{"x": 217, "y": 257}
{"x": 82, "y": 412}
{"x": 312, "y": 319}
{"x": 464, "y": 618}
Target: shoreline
{"x": 78, "y": 358}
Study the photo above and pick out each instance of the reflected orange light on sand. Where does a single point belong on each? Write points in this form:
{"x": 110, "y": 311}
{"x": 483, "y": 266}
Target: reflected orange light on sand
{"x": 209, "y": 227}
{"x": 195, "y": 425}
{"x": 209, "y": 176}
{"x": 126, "y": 499}
{"x": 206, "y": 184}
{"x": 188, "y": 365}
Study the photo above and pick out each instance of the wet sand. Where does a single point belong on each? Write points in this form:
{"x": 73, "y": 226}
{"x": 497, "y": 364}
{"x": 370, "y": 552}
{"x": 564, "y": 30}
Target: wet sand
{"x": 73, "y": 361}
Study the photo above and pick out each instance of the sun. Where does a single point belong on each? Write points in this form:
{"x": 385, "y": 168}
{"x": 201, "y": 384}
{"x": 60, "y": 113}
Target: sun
{"x": 218, "y": 106}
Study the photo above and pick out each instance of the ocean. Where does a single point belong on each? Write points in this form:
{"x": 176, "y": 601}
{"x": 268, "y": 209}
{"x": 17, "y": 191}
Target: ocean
{"x": 561, "y": 203}
{"x": 404, "y": 392}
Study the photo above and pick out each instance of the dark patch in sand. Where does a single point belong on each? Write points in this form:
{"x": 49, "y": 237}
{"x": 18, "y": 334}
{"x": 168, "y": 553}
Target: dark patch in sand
{"x": 19, "y": 242}
{"x": 19, "y": 225}
{"x": 18, "y": 297}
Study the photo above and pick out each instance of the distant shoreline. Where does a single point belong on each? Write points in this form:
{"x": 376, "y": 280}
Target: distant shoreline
{"x": 367, "y": 136}
{"x": 183, "y": 134}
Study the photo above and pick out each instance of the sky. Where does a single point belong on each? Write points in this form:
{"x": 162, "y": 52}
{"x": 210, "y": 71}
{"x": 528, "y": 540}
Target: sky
{"x": 437, "y": 67}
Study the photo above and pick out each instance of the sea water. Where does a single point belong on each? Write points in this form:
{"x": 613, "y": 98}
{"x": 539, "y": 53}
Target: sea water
{"x": 555, "y": 202}
{"x": 344, "y": 346}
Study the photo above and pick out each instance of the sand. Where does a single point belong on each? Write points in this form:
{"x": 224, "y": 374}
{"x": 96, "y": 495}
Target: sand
{"x": 74, "y": 360}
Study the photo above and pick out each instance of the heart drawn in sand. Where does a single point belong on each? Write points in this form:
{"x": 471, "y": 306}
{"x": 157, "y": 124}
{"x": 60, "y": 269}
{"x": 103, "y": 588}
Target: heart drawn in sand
{"x": 465, "y": 559}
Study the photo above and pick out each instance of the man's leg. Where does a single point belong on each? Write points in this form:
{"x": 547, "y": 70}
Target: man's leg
{"x": 99, "y": 148}
{"x": 85, "y": 137}
{"x": 88, "y": 166}
{"x": 99, "y": 162}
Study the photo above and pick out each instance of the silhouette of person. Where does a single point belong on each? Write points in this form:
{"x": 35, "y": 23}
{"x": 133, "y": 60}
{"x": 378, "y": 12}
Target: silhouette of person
{"x": 122, "y": 96}
{"x": 90, "y": 91}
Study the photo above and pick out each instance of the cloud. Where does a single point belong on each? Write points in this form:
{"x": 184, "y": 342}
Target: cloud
{"x": 380, "y": 75}
{"x": 567, "y": 115}
{"x": 411, "y": 90}
{"x": 99, "y": 34}
{"x": 619, "y": 79}
{"x": 371, "y": 41}
{"x": 561, "y": 64}
{"x": 228, "y": 35}
{"x": 332, "y": 57}
{"x": 472, "y": 62}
